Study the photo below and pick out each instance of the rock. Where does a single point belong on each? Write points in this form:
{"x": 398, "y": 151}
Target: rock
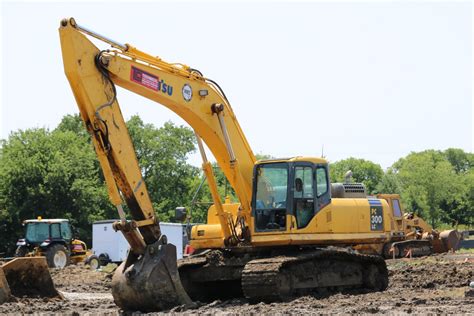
{"x": 109, "y": 268}
{"x": 469, "y": 292}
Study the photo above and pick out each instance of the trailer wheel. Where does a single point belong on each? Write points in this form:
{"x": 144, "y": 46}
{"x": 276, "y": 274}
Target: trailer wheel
{"x": 104, "y": 259}
{"x": 57, "y": 256}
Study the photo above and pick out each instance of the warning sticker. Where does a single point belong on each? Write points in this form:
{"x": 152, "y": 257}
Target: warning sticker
{"x": 145, "y": 79}
{"x": 150, "y": 81}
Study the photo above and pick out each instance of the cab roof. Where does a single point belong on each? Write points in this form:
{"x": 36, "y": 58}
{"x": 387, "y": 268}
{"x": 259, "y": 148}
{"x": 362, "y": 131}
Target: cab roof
{"x": 318, "y": 160}
{"x": 46, "y": 220}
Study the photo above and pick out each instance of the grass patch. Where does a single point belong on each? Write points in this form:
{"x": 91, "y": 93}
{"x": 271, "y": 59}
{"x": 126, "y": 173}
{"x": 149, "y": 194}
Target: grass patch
{"x": 460, "y": 228}
{"x": 465, "y": 250}
{"x": 413, "y": 262}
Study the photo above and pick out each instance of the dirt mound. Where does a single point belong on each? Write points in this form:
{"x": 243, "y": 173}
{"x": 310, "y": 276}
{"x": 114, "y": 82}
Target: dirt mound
{"x": 429, "y": 285}
{"x": 80, "y": 278}
{"x": 88, "y": 285}
{"x": 432, "y": 272}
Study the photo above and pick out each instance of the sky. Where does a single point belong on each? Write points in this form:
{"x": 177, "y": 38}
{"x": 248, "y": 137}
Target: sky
{"x": 371, "y": 80}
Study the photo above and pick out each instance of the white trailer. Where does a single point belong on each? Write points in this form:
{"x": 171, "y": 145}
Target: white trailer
{"x": 109, "y": 245}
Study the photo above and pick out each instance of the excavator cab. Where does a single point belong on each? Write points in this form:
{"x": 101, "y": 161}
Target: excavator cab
{"x": 296, "y": 187}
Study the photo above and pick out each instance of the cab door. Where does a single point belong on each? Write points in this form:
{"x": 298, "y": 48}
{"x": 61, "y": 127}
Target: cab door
{"x": 270, "y": 201}
{"x": 323, "y": 192}
{"x": 303, "y": 194}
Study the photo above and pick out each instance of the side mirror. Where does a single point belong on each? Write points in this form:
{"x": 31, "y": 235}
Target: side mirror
{"x": 180, "y": 214}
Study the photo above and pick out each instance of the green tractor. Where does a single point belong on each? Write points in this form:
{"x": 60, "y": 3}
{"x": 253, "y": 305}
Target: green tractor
{"x": 53, "y": 239}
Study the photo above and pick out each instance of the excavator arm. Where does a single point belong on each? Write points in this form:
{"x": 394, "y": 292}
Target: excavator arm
{"x": 92, "y": 75}
{"x": 199, "y": 101}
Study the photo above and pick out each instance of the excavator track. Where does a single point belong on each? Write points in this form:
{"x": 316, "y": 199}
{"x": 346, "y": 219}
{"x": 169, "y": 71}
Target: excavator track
{"x": 279, "y": 275}
{"x": 279, "y": 278}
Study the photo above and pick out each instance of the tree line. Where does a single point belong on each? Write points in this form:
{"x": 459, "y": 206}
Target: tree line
{"x": 55, "y": 174}
{"x": 436, "y": 185}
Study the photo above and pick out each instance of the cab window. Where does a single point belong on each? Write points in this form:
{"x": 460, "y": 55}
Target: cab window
{"x": 37, "y": 232}
{"x": 66, "y": 231}
{"x": 271, "y": 196}
{"x": 321, "y": 180}
{"x": 396, "y": 208}
{"x": 303, "y": 195}
{"x": 323, "y": 193}
{"x": 55, "y": 232}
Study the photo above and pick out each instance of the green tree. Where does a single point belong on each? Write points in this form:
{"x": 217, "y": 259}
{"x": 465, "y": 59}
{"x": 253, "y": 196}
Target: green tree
{"x": 459, "y": 207}
{"x": 73, "y": 123}
{"x": 389, "y": 183}
{"x": 428, "y": 180}
{"x": 363, "y": 171}
{"x": 49, "y": 174}
{"x": 162, "y": 154}
{"x": 461, "y": 161}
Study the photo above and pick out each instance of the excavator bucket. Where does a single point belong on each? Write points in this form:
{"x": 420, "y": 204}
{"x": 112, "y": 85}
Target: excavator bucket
{"x": 27, "y": 276}
{"x": 151, "y": 283}
{"x": 4, "y": 288}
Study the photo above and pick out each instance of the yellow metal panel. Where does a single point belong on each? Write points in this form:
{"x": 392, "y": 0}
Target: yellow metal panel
{"x": 207, "y": 236}
{"x": 216, "y": 243}
{"x": 317, "y": 239}
{"x": 213, "y": 217}
{"x": 343, "y": 221}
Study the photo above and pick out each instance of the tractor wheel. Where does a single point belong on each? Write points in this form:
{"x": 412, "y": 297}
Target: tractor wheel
{"x": 93, "y": 262}
{"x": 21, "y": 251}
{"x": 57, "y": 256}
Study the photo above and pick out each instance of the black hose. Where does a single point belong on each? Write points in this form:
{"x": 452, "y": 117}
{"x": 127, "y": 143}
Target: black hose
{"x": 105, "y": 73}
{"x": 219, "y": 88}
{"x": 211, "y": 81}
{"x": 197, "y": 71}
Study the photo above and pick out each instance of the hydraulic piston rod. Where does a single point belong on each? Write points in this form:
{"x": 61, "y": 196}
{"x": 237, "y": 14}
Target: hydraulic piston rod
{"x": 87, "y": 31}
{"x": 207, "y": 168}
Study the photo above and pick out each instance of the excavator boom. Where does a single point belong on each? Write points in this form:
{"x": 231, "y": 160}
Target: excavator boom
{"x": 93, "y": 74}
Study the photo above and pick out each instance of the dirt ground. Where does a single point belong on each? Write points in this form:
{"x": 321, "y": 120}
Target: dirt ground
{"x": 436, "y": 284}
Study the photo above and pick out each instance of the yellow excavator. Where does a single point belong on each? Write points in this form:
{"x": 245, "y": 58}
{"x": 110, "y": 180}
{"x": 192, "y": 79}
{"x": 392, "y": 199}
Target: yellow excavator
{"x": 267, "y": 246}
{"x": 291, "y": 232}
